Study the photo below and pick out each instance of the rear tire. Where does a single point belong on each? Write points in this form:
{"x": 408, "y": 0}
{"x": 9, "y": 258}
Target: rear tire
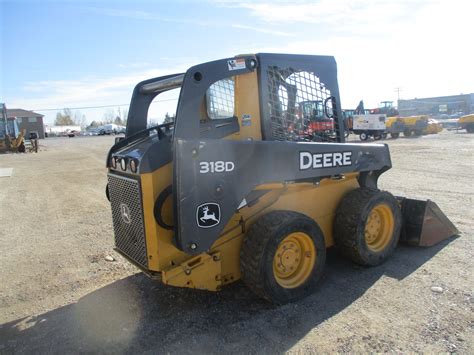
{"x": 279, "y": 241}
{"x": 418, "y": 133}
{"x": 363, "y": 136}
{"x": 367, "y": 226}
{"x": 407, "y": 133}
{"x": 395, "y": 135}
{"x": 377, "y": 137}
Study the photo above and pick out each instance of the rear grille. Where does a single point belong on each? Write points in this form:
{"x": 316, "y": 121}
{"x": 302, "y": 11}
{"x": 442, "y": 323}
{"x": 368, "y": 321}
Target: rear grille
{"x": 127, "y": 215}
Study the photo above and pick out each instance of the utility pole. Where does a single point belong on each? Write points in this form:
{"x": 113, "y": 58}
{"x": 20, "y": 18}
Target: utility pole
{"x": 397, "y": 90}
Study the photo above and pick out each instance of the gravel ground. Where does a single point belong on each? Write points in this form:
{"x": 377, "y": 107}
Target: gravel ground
{"x": 58, "y": 294}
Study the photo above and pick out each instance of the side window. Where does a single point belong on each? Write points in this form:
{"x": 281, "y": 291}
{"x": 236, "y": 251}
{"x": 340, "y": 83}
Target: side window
{"x": 220, "y": 99}
{"x": 300, "y": 106}
{"x": 162, "y": 109}
{"x": 32, "y": 119}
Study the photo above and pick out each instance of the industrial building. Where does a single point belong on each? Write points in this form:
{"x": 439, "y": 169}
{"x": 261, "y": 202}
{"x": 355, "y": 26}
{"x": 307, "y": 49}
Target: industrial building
{"x": 449, "y": 105}
{"x": 31, "y": 121}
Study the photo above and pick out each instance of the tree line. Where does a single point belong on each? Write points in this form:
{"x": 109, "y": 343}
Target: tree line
{"x": 67, "y": 117}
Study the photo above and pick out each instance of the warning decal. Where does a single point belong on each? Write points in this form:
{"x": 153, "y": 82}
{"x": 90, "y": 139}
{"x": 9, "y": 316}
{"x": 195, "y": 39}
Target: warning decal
{"x": 236, "y": 64}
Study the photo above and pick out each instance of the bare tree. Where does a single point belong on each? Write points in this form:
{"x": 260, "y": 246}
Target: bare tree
{"x": 124, "y": 116}
{"x": 64, "y": 118}
{"x": 109, "y": 116}
{"x": 80, "y": 119}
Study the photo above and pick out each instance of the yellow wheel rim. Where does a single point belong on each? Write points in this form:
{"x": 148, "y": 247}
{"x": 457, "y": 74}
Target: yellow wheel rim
{"x": 379, "y": 228}
{"x": 294, "y": 260}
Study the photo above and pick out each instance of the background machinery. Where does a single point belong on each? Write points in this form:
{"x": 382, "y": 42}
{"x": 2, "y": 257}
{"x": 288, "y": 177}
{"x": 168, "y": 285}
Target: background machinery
{"x": 315, "y": 124}
{"x": 364, "y": 123}
{"x": 385, "y": 107}
{"x": 414, "y": 125}
{"x": 231, "y": 190}
{"x": 467, "y": 123}
{"x": 11, "y": 137}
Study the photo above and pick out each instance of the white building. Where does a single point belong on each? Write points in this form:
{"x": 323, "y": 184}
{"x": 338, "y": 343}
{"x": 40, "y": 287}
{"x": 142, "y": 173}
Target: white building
{"x": 61, "y": 129}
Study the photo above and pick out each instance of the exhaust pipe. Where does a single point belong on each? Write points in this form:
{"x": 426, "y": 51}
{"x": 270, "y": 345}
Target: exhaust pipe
{"x": 424, "y": 224}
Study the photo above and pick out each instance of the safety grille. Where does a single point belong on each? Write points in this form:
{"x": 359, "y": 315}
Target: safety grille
{"x": 220, "y": 99}
{"x": 301, "y": 106}
{"x": 127, "y": 215}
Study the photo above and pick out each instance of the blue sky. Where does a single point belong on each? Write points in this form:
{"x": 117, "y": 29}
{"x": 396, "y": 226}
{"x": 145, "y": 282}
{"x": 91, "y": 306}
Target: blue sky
{"x": 82, "y": 54}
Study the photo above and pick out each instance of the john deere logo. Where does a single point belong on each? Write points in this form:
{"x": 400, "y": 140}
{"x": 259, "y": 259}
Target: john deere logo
{"x": 208, "y": 215}
{"x": 125, "y": 213}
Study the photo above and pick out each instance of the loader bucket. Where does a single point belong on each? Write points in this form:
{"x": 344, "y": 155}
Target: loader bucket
{"x": 424, "y": 224}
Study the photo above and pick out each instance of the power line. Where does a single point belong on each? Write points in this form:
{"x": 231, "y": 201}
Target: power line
{"x": 78, "y": 108}
{"x": 89, "y": 107}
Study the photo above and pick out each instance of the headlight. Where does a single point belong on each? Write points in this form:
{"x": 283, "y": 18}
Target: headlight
{"x": 133, "y": 165}
{"x": 123, "y": 164}
{"x": 113, "y": 163}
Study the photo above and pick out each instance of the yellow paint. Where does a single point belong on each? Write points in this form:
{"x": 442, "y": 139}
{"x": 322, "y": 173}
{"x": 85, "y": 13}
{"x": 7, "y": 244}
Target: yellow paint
{"x": 379, "y": 227}
{"x": 316, "y": 201}
{"x": 247, "y": 103}
{"x": 412, "y": 120}
{"x": 294, "y": 260}
{"x": 433, "y": 127}
{"x": 466, "y": 119}
{"x": 162, "y": 254}
{"x": 247, "y": 108}
{"x": 202, "y": 272}
{"x": 390, "y": 121}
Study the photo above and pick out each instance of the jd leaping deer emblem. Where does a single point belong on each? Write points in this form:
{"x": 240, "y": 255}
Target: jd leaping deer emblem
{"x": 208, "y": 215}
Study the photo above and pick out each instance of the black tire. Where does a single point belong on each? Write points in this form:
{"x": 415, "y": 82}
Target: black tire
{"x": 418, "y": 133}
{"x": 377, "y": 137}
{"x": 363, "y": 136}
{"x": 384, "y": 135}
{"x": 407, "y": 133}
{"x": 349, "y": 227}
{"x": 21, "y": 148}
{"x": 259, "y": 248}
{"x": 395, "y": 135}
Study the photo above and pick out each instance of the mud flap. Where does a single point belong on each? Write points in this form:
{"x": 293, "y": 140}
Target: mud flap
{"x": 424, "y": 224}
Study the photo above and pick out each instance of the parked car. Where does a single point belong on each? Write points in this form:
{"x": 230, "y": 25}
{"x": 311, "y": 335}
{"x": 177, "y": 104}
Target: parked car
{"x": 73, "y": 133}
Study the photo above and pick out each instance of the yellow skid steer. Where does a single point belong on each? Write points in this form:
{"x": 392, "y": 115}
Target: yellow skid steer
{"x": 235, "y": 188}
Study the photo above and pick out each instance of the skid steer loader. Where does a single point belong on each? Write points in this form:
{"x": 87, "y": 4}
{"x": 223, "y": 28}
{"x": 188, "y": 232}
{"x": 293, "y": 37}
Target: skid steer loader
{"x": 229, "y": 191}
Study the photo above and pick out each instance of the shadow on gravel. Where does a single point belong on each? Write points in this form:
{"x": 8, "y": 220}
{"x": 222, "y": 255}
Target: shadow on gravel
{"x": 136, "y": 314}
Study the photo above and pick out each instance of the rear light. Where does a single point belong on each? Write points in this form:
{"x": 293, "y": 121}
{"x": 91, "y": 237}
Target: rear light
{"x": 133, "y": 165}
{"x": 123, "y": 164}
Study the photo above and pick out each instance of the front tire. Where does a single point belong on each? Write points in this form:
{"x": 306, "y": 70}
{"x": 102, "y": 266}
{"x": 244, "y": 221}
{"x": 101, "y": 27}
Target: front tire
{"x": 367, "y": 226}
{"x": 395, "y": 135}
{"x": 363, "y": 136}
{"x": 283, "y": 256}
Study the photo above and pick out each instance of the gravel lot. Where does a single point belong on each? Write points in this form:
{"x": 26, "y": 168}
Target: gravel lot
{"x": 58, "y": 293}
